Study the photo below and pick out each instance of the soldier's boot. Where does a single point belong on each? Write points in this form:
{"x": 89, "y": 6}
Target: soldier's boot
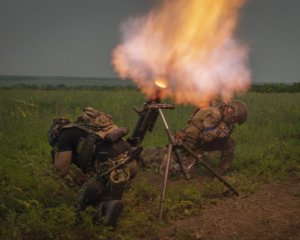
{"x": 227, "y": 154}
{"x": 108, "y": 213}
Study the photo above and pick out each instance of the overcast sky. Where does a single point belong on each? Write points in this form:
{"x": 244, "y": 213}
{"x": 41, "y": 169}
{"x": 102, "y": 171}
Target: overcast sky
{"x": 76, "y": 37}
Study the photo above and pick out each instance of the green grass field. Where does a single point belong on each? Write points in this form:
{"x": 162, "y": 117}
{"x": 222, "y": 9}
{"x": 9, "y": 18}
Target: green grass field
{"x": 36, "y": 204}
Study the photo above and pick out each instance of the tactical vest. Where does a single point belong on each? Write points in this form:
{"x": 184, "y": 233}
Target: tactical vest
{"x": 99, "y": 147}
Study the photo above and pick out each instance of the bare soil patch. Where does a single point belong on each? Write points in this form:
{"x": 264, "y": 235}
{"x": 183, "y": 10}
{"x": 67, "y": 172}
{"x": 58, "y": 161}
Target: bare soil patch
{"x": 272, "y": 212}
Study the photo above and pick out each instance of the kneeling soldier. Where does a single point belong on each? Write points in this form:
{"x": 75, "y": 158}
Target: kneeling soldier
{"x": 94, "y": 144}
{"x": 209, "y": 129}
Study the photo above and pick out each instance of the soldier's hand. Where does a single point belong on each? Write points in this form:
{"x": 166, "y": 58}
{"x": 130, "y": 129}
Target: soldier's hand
{"x": 180, "y": 135}
{"x": 223, "y": 130}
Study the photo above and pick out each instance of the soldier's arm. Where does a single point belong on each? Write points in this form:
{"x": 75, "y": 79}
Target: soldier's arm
{"x": 62, "y": 162}
{"x": 63, "y": 152}
{"x": 206, "y": 125}
{"x": 212, "y": 127}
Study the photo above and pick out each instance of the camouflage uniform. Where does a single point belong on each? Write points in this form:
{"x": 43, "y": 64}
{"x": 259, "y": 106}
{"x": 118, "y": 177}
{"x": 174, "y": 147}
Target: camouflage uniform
{"x": 207, "y": 131}
{"x": 195, "y": 137}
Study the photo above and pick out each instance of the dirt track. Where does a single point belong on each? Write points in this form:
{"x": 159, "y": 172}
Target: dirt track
{"x": 272, "y": 212}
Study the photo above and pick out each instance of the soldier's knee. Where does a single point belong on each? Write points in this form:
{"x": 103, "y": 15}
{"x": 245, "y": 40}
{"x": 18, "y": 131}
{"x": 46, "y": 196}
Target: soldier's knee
{"x": 90, "y": 194}
{"x": 93, "y": 189}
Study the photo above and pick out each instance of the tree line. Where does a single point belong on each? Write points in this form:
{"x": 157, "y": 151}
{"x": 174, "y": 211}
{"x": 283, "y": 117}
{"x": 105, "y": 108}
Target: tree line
{"x": 257, "y": 87}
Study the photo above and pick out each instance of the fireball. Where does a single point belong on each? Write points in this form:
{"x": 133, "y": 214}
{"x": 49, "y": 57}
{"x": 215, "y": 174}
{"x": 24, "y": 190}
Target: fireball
{"x": 192, "y": 45}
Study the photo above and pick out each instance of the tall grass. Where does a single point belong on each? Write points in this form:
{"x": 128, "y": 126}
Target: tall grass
{"x": 36, "y": 204}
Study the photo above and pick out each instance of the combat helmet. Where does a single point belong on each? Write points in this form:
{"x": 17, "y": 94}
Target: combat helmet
{"x": 54, "y": 130}
{"x": 240, "y": 111}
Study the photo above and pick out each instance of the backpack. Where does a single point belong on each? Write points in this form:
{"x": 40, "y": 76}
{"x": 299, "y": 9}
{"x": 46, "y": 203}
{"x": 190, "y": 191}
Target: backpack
{"x": 96, "y": 121}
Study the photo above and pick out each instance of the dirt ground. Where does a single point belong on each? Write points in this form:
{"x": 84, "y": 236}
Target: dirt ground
{"x": 272, "y": 212}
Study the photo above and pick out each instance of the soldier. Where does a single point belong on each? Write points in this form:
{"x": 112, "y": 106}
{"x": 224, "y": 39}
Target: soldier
{"x": 209, "y": 129}
{"x": 94, "y": 144}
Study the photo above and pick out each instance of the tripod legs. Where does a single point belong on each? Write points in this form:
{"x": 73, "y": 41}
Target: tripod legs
{"x": 203, "y": 163}
{"x": 163, "y": 192}
{"x": 173, "y": 146}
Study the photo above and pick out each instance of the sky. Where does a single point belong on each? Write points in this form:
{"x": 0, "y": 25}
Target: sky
{"x": 76, "y": 37}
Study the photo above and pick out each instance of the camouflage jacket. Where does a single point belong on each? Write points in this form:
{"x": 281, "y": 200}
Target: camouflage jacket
{"x": 206, "y": 125}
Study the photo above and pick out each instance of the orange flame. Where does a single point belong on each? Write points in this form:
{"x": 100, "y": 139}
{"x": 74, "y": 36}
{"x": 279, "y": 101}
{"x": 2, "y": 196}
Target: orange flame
{"x": 191, "y": 44}
{"x": 160, "y": 82}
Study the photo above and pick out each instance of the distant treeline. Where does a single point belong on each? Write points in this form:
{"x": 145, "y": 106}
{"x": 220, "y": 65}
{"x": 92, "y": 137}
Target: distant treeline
{"x": 276, "y": 87}
{"x": 264, "y": 88}
{"x": 64, "y": 87}
{"x": 51, "y": 78}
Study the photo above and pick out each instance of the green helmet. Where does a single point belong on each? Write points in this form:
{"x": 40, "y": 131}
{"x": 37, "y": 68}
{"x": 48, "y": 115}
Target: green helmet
{"x": 240, "y": 111}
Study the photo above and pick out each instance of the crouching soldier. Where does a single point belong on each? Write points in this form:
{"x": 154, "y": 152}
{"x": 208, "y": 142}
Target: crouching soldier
{"x": 94, "y": 144}
{"x": 209, "y": 129}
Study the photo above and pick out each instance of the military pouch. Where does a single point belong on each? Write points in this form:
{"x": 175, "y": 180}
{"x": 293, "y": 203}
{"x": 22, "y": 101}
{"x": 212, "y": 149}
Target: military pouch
{"x": 116, "y": 134}
{"x": 87, "y": 151}
{"x": 118, "y": 181}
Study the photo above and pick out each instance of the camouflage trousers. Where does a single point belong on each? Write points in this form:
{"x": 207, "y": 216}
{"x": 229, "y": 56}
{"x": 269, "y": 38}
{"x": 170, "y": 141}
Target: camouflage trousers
{"x": 226, "y": 147}
{"x": 110, "y": 187}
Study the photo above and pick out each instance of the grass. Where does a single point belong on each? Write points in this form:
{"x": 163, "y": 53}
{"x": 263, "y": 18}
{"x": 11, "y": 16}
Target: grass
{"x": 36, "y": 204}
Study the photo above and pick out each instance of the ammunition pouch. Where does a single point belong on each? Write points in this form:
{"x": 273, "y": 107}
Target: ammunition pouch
{"x": 107, "y": 150}
{"x": 116, "y": 135}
